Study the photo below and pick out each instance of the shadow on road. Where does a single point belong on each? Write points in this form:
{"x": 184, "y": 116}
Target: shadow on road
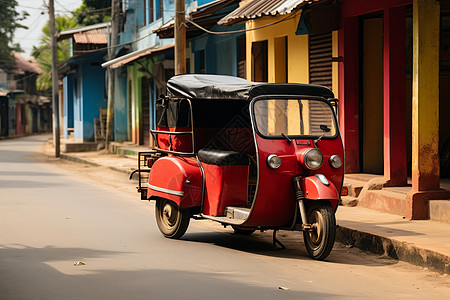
{"x": 26, "y": 274}
{"x": 261, "y": 244}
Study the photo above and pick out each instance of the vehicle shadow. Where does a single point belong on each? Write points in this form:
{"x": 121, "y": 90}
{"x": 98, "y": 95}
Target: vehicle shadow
{"x": 27, "y": 273}
{"x": 260, "y": 243}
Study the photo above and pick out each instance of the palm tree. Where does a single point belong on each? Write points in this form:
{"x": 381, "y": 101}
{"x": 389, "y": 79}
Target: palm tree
{"x": 43, "y": 52}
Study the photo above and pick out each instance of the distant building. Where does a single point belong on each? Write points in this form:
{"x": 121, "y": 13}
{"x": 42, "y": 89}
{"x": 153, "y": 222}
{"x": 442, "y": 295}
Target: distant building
{"x": 22, "y": 109}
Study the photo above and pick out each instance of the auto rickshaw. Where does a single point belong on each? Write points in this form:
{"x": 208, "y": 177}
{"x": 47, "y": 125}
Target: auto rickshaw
{"x": 256, "y": 156}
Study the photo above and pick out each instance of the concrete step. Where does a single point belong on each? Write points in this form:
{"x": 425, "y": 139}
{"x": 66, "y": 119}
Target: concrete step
{"x": 354, "y": 187}
{"x": 440, "y": 211}
{"x": 349, "y": 201}
{"x": 385, "y": 200}
{"x": 78, "y": 147}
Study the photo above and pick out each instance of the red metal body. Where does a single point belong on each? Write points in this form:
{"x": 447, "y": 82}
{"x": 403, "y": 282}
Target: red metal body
{"x": 224, "y": 185}
{"x": 211, "y": 187}
{"x": 316, "y": 190}
{"x": 275, "y": 201}
{"x": 178, "y": 179}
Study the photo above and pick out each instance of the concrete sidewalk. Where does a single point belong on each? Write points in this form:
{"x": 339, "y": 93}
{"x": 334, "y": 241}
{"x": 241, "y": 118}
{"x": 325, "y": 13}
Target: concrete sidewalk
{"x": 424, "y": 243}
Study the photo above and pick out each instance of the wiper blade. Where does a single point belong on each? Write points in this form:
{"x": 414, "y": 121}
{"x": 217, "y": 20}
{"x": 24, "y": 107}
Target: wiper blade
{"x": 288, "y": 140}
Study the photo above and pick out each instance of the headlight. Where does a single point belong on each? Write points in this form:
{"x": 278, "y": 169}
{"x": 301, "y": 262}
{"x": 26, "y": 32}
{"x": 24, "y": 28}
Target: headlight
{"x": 313, "y": 159}
{"x": 273, "y": 161}
{"x": 335, "y": 161}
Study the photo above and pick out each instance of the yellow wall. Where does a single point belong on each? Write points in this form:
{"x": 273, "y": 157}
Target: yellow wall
{"x": 335, "y": 65}
{"x": 297, "y": 47}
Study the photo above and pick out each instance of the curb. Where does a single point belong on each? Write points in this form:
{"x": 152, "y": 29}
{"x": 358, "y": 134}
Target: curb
{"x": 88, "y": 162}
{"x": 395, "y": 249}
{"x": 362, "y": 240}
{"x": 78, "y": 160}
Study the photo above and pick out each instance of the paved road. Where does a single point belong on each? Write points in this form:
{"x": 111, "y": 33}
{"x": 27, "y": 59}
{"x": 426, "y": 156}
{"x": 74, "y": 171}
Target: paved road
{"x": 54, "y": 214}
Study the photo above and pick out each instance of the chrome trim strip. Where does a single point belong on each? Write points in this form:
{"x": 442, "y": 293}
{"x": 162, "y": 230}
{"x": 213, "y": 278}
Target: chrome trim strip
{"x": 163, "y": 190}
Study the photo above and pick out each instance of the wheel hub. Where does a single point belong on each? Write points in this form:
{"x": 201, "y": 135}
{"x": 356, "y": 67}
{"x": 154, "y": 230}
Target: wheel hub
{"x": 169, "y": 215}
{"x": 316, "y": 221}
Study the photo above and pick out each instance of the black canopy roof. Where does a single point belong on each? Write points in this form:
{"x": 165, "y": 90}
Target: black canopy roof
{"x": 205, "y": 86}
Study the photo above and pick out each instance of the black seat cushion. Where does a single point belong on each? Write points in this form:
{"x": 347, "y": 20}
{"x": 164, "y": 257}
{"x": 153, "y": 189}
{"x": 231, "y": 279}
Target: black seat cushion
{"x": 222, "y": 157}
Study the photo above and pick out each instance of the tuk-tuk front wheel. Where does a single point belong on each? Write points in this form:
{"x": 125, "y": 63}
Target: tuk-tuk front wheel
{"x": 319, "y": 240}
{"x": 172, "y": 220}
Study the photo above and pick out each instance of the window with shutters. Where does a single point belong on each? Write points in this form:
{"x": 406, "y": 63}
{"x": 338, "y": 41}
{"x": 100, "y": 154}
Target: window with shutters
{"x": 320, "y": 73}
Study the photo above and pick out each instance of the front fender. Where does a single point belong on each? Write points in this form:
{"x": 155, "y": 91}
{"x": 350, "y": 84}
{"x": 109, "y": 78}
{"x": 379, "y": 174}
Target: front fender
{"x": 176, "y": 178}
{"x": 314, "y": 189}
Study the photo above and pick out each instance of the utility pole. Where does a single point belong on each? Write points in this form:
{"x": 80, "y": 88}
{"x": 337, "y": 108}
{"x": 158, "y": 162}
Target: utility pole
{"x": 111, "y": 50}
{"x": 55, "y": 83}
{"x": 180, "y": 38}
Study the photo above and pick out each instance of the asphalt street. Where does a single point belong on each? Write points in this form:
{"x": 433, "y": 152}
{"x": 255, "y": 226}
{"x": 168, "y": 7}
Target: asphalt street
{"x": 72, "y": 231}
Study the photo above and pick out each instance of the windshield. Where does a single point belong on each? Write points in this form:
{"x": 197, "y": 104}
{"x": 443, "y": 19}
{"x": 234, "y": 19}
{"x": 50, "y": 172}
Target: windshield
{"x": 294, "y": 117}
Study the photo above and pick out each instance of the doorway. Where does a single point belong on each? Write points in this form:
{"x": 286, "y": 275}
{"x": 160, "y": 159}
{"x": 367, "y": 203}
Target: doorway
{"x": 145, "y": 130}
{"x": 371, "y": 96}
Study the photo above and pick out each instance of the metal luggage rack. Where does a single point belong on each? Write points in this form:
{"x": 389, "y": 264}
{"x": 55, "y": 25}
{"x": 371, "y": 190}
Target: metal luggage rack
{"x": 144, "y": 171}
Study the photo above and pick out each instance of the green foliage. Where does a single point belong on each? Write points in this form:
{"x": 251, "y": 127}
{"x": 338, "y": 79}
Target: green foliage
{"x": 89, "y": 13}
{"x": 9, "y": 22}
{"x": 43, "y": 53}
{"x": 93, "y": 12}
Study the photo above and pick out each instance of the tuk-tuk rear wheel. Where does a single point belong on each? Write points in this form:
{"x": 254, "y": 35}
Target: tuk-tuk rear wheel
{"x": 319, "y": 240}
{"x": 172, "y": 220}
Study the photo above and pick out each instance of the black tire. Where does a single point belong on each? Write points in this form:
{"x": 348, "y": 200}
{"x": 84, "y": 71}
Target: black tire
{"x": 172, "y": 220}
{"x": 319, "y": 242}
{"x": 242, "y": 230}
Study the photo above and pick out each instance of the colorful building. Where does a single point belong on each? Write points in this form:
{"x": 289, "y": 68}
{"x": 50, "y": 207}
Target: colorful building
{"x": 83, "y": 85}
{"x": 22, "y": 110}
{"x": 387, "y": 63}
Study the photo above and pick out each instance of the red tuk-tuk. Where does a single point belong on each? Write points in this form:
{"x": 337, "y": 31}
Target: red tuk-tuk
{"x": 256, "y": 156}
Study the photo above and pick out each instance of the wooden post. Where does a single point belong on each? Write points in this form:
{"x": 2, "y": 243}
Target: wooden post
{"x": 55, "y": 81}
{"x": 111, "y": 50}
{"x": 425, "y": 109}
{"x": 349, "y": 92}
{"x": 394, "y": 96}
{"x": 180, "y": 38}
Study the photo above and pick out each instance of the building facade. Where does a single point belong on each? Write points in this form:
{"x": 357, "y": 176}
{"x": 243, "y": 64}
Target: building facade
{"x": 387, "y": 63}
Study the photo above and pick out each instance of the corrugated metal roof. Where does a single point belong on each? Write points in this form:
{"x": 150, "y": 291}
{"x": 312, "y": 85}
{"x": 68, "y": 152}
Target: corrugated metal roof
{"x": 95, "y": 36}
{"x": 259, "y": 8}
{"x": 127, "y": 58}
{"x": 65, "y": 34}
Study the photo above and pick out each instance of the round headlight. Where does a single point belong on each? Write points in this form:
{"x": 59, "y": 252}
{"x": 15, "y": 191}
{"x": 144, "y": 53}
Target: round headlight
{"x": 313, "y": 159}
{"x": 273, "y": 161}
{"x": 335, "y": 161}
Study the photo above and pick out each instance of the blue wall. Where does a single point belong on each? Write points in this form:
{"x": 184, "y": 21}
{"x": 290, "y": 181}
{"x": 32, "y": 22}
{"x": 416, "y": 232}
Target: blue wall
{"x": 221, "y": 51}
{"x": 68, "y": 103}
{"x": 120, "y": 107}
{"x": 94, "y": 97}
{"x": 88, "y": 93}
{"x": 77, "y": 106}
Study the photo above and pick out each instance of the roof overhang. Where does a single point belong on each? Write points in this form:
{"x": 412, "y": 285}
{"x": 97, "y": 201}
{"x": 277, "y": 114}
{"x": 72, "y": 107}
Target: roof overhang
{"x": 260, "y": 8}
{"x": 130, "y": 57}
{"x": 65, "y": 34}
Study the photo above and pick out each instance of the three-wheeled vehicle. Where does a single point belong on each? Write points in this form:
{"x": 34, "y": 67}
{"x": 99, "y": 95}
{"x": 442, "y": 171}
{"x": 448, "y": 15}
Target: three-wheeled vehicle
{"x": 256, "y": 156}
